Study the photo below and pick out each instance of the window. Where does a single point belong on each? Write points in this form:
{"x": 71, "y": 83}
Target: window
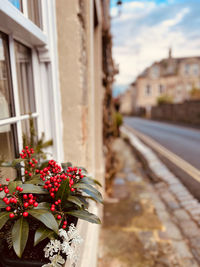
{"x": 187, "y": 69}
{"x": 161, "y": 89}
{"x": 148, "y": 90}
{"x": 195, "y": 69}
{"x": 31, "y": 9}
{"x": 16, "y": 105}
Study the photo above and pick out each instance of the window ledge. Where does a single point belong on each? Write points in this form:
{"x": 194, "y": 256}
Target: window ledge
{"x": 12, "y": 21}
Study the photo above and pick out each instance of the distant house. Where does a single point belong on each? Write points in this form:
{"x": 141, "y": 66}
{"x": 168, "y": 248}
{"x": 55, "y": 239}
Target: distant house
{"x": 173, "y": 78}
{"x": 128, "y": 101}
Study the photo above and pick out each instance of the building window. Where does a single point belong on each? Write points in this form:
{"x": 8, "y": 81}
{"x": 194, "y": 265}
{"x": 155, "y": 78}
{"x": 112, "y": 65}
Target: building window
{"x": 16, "y": 105}
{"x": 187, "y": 69}
{"x": 161, "y": 89}
{"x": 195, "y": 69}
{"x": 148, "y": 90}
{"x": 16, "y": 3}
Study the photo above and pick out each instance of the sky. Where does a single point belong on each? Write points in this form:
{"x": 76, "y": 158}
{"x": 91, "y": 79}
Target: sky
{"x": 145, "y": 31}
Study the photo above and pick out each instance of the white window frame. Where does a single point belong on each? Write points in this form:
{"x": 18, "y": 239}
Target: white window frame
{"x": 44, "y": 49}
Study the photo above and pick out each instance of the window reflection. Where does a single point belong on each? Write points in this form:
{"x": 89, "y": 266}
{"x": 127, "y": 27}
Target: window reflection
{"x": 34, "y": 12}
{"x": 5, "y": 85}
{"x": 7, "y": 152}
{"x": 16, "y": 3}
{"x": 25, "y": 79}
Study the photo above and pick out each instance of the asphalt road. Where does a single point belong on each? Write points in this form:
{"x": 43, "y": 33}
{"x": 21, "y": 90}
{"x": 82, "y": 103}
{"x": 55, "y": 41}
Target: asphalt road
{"x": 184, "y": 142}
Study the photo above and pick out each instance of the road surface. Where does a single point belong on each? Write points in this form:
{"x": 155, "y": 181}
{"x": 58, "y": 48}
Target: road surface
{"x": 182, "y": 141}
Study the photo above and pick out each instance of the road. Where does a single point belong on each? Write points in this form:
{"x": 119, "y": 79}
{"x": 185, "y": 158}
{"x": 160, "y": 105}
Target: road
{"x": 182, "y": 141}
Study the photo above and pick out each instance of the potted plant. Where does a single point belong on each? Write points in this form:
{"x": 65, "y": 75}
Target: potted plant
{"x": 39, "y": 211}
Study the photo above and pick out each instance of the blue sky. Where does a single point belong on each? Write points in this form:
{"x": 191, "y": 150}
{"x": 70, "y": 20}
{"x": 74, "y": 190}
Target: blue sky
{"x": 146, "y": 29}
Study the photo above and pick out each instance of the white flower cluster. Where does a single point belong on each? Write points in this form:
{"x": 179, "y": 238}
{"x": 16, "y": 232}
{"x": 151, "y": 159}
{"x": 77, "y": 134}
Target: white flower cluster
{"x": 69, "y": 245}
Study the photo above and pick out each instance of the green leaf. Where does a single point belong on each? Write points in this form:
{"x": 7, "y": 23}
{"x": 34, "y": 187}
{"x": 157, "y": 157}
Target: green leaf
{"x": 90, "y": 190}
{"x": 43, "y": 206}
{"x": 75, "y": 200}
{"x": 35, "y": 180}
{"x": 45, "y": 217}
{"x": 41, "y": 234}
{"x": 4, "y": 216}
{"x": 20, "y": 233}
{"x": 89, "y": 180}
{"x": 85, "y": 215}
{"x": 44, "y": 164}
{"x": 2, "y": 204}
{"x": 34, "y": 189}
{"x": 12, "y": 186}
{"x": 66, "y": 165}
{"x": 63, "y": 191}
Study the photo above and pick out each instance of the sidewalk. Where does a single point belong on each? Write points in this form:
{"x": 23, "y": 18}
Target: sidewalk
{"x": 139, "y": 229}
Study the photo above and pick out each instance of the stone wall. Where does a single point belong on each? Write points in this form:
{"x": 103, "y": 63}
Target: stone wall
{"x": 187, "y": 112}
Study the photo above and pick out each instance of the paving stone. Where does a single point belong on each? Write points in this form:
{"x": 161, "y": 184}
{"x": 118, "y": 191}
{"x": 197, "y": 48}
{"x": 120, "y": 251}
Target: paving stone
{"x": 172, "y": 231}
{"x": 196, "y": 254}
{"x": 195, "y": 242}
{"x": 182, "y": 249}
{"x": 163, "y": 235}
{"x": 189, "y": 228}
{"x": 181, "y": 215}
{"x": 163, "y": 216}
{"x": 189, "y": 263}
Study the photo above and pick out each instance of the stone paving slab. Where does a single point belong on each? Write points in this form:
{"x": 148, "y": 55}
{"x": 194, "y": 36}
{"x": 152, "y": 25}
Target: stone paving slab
{"x": 182, "y": 208}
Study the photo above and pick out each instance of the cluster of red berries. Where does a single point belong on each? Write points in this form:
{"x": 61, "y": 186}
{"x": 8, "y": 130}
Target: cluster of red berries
{"x": 15, "y": 205}
{"x": 26, "y": 153}
{"x": 55, "y": 207}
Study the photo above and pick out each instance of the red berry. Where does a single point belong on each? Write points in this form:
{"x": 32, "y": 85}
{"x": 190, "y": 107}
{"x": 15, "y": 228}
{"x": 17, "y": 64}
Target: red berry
{"x": 30, "y": 196}
{"x": 7, "y": 179}
{"x": 52, "y": 195}
{"x": 6, "y": 190}
{"x": 1, "y": 189}
{"x": 25, "y": 196}
{"x": 26, "y": 204}
{"x": 35, "y": 204}
{"x": 11, "y": 215}
{"x": 59, "y": 217}
{"x": 5, "y": 199}
{"x": 30, "y": 201}
{"x": 64, "y": 226}
{"x": 52, "y": 209}
{"x": 30, "y": 174}
{"x": 72, "y": 189}
{"x": 17, "y": 188}
{"x": 8, "y": 208}
{"x": 25, "y": 214}
{"x": 56, "y": 202}
{"x": 59, "y": 201}
{"x": 25, "y": 147}
{"x": 21, "y": 189}
{"x": 26, "y": 172}
{"x": 65, "y": 222}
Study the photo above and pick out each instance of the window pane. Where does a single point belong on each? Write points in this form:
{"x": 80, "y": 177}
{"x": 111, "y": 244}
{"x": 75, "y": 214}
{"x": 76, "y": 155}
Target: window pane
{"x": 29, "y": 130}
{"x": 25, "y": 79}
{"x": 7, "y": 151}
{"x": 5, "y": 84}
{"x": 34, "y": 12}
{"x": 17, "y": 4}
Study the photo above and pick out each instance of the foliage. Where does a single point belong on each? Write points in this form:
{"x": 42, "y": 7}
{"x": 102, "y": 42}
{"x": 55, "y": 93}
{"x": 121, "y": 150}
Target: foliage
{"x": 46, "y": 193}
{"x": 164, "y": 99}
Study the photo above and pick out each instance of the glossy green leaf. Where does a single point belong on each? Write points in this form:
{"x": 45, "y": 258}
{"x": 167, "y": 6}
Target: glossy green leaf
{"x": 43, "y": 206}
{"x": 35, "y": 180}
{"x": 63, "y": 191}
{"x": 41, "y": 234}
{"x": 45, "y": 217}
{"x": 89, "y": 180}
{"x": 12, "y": 185}
{"x": 20, "y": 233}
{"x": 90, "y": 190}
{"x": 4, "y": 216}
{"x": 34, "y": 189}
{"x": 2, "y": 204}
{"x": 85, "y": 215}
{"x": 75, "y": 200}
{"x": 66, "y": 165}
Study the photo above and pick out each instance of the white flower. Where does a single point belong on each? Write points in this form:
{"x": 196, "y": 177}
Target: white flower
{"x": 63, "y": 234}
{"x": 52, "y": 247}
{"x": 56, "y": 261}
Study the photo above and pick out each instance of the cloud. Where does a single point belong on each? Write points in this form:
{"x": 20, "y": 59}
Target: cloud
{"x": 145, "y": 31}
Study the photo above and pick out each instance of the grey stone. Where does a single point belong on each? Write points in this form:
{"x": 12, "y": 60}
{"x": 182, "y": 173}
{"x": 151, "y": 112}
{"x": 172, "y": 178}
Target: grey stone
{"x": 182, "y": 249}
{"x": 189, "y": 228}
{"x": 181, "y": 214}
{"x": 172, "y": 231}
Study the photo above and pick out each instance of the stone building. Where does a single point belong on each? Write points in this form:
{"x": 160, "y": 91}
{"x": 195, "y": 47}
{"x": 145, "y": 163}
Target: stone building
{"x": 51, "y": 54}
{"x": 172, "y": 78}
{"x": 128, "y": 101}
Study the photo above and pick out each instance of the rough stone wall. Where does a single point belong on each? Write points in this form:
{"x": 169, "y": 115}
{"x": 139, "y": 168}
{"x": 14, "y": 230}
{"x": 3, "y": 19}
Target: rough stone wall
{"x": 187, "y": 112}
